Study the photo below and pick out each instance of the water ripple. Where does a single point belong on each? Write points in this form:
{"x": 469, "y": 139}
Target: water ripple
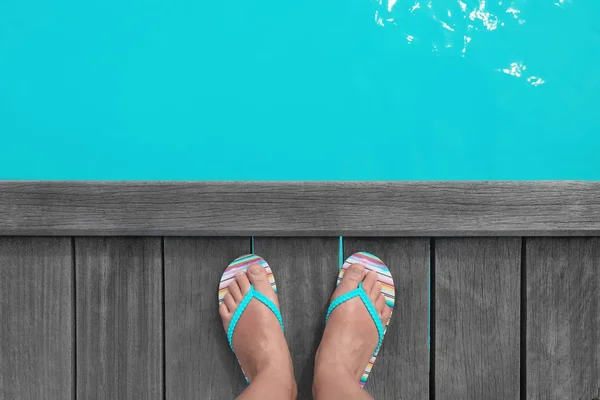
{"x": 450, "y": 28}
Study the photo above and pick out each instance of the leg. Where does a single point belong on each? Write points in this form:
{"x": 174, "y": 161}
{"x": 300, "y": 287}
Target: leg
{"x": 269, "y": 386}
{"x": 349, "y": 339}
{"x": 258, "y": 341}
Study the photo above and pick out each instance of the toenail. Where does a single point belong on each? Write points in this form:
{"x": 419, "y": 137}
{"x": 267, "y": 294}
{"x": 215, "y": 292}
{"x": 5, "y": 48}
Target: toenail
{"x": 357, "y": 269}
{"x": 241, "y": 273}
{"x": 254, "y": 269}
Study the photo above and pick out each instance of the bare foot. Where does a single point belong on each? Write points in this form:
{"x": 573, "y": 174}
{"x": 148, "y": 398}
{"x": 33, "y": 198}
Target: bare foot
{"x": 350, "y": 336}
{"x": 258, "y": 340}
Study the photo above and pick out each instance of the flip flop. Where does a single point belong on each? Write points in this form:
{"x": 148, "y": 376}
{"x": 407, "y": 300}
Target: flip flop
{"x": 241, "y": 264}
{"x": 371, "y": 263}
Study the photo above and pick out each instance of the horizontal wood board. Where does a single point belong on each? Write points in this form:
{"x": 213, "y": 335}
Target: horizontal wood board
{"x": 547, "y": 208}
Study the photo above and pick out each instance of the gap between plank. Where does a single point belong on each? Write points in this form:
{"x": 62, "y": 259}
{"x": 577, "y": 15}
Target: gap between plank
{"x": 74, "y": 317}
{"x": 164, "y": 333}
{"x": 431, "y": 324}
{"x": 523, "y": 330}
{"x": 341, "y": 256}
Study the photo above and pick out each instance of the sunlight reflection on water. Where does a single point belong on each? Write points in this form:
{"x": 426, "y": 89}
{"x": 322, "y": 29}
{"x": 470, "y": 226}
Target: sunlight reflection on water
{"x": 451, "y": 27}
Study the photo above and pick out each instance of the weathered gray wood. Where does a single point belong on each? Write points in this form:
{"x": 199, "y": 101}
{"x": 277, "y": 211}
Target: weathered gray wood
{"x": 477, "y": 318}
{"x": 563, "y": 318}
{"x": 36, "y": 314}
{"x": 306, "y": 271}
{"x": 199, "y": 362}
{"x": 402, "y": 367}
{"x": 300, "y": 208}
{"x": 119, "y": 318}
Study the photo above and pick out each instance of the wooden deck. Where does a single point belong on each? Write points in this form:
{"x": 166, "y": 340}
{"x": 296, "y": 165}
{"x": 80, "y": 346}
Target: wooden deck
{"x": 499, "y": 300}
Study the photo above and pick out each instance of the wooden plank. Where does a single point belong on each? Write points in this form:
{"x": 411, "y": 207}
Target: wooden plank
{"x": 477, "y": 318}
{"x": 119, "y": 318}
{"x": 199, "y": 362}
{"x": 402, "y": 368}
{"x": 300, "y": 208}
{"x": 563, "y": 318}
{"x": 306, "y": 271}
{"x": 36, "y": 310}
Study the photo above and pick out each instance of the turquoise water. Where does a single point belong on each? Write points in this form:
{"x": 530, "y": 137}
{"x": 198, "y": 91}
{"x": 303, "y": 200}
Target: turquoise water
{"x": 353, "y": 89}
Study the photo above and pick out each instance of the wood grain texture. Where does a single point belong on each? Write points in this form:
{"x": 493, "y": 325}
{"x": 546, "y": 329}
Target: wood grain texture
{"x": 402, "y": 367}
{"x": 119, "y": 318}
{"x": 300, "y": 208}
{"x": 199, "y": 362}
{"x": 36, "y": 310}
{"x": 563, "y": 318}
{"x": 306, "y": 271}
{"x": 477, "y": 318}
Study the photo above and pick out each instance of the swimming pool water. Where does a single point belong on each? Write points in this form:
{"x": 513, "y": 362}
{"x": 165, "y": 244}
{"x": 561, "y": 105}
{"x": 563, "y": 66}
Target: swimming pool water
{"x": 353, "y": 89}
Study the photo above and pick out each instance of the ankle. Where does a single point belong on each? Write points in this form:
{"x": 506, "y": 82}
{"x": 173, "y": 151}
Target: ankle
{"x": 269, "y": 361}
{"x": 327, "y": 363}
{"x": 332, "y": 378}
{"x": 279, "y": 380}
